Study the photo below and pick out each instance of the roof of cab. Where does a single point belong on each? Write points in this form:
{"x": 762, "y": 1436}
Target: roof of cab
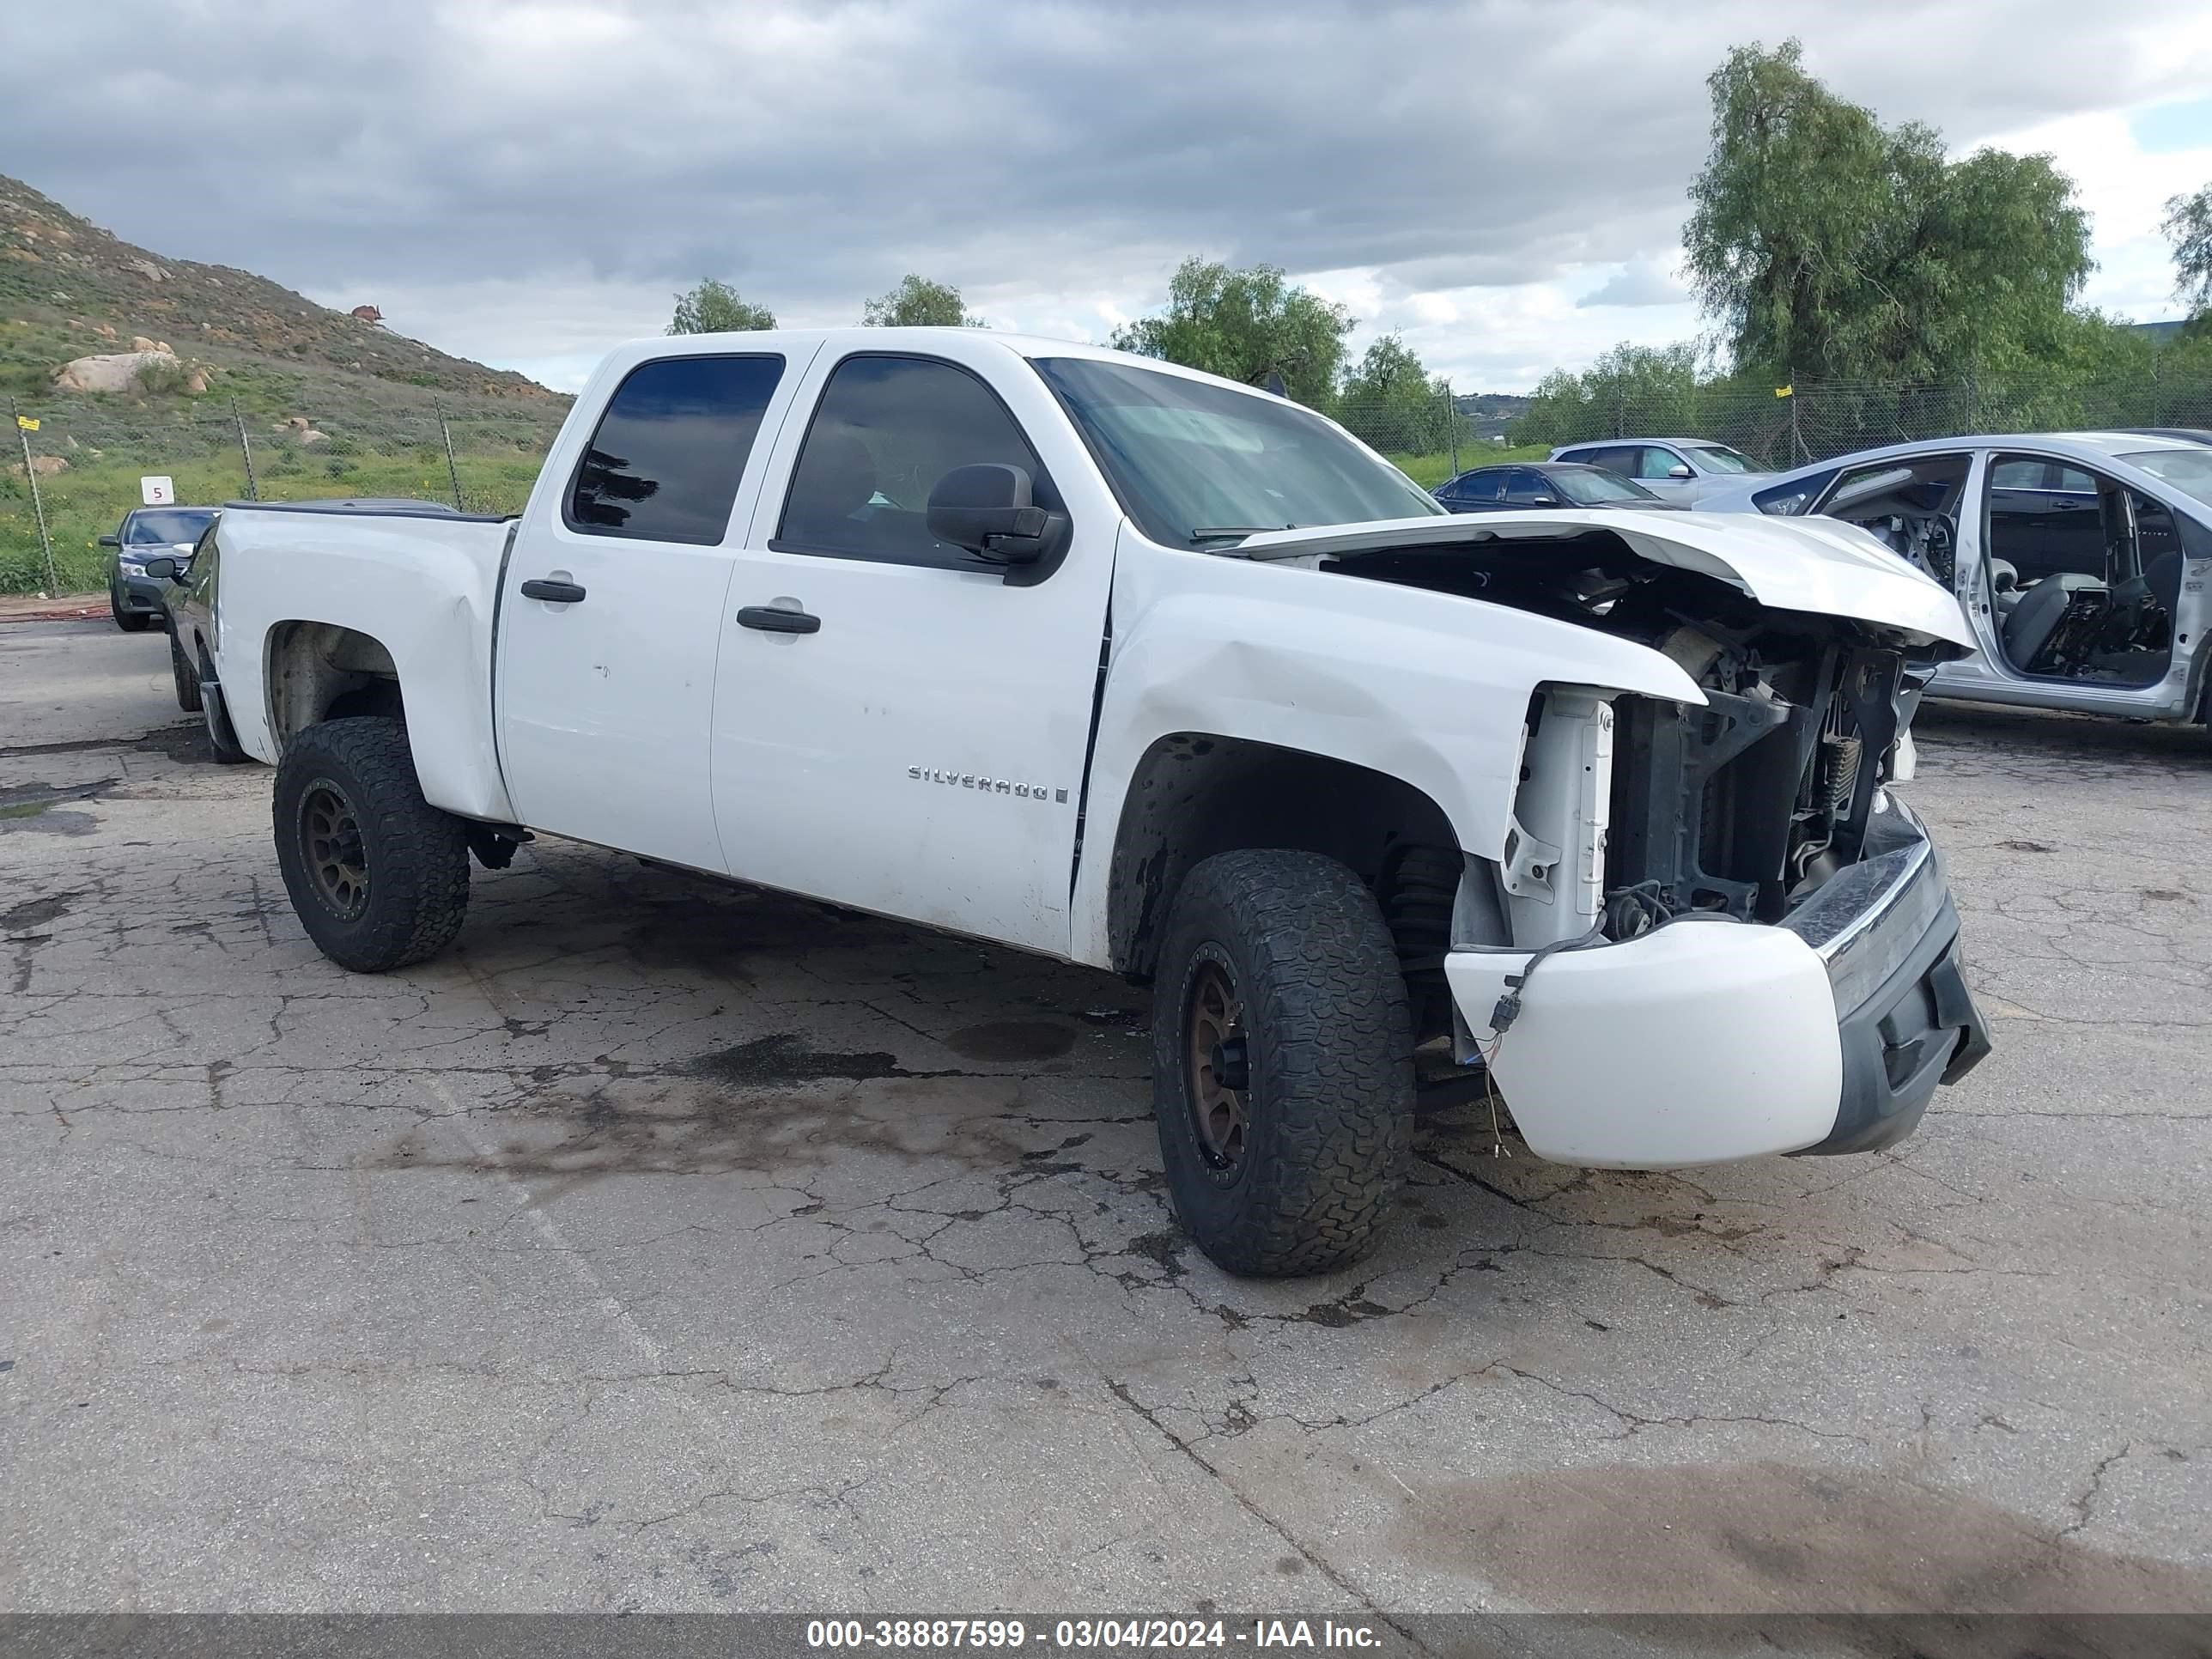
{"x": 920, "y": 340}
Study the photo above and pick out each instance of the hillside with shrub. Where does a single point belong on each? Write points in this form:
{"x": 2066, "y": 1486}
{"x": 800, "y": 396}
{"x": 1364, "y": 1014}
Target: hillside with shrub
{"x": 134, "y": 363}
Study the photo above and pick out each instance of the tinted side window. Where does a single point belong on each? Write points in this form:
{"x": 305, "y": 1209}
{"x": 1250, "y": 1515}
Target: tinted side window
{"x": 1525, "y": 488}
{"x": 2018, "y": 475}
{"x": 1618, "y": 458}
{"x": 1484, "y": 486}
{"x": 665, "y": 459}
{"x": 886, "y": 431}
{"x": 1658, "y": 463}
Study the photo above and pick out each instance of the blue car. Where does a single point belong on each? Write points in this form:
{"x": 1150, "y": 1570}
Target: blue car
{"x": 1544, "y": 484}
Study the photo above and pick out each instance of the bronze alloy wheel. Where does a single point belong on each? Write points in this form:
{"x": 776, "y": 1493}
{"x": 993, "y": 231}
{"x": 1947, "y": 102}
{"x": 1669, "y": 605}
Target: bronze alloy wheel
{"x": 1219, "y": 1066}
{"x": 330, "y": 847}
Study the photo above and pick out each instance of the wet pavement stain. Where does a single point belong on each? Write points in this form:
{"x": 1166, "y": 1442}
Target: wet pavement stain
{"x": 1769, "y": 1537}
{"x": 771, "y": 1060}
{"x": 40, "y": 821}
{"x": 1012, "y": 1039}
{"x": 34, "y": 912}
{"x": 669, "y": 1124}
{"x": 178, "y": 743}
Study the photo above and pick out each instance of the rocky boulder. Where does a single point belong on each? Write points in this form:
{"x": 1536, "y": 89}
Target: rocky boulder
{"x": 113, "y": 371}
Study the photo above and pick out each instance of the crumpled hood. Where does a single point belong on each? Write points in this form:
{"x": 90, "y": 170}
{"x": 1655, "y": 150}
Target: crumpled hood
{"x": 1817, "y": 565}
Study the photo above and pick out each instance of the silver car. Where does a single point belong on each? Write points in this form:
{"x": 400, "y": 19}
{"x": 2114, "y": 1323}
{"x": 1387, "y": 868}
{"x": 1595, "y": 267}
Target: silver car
{"x": 2080, "y": 558}
{"x": 1683, "y": 470}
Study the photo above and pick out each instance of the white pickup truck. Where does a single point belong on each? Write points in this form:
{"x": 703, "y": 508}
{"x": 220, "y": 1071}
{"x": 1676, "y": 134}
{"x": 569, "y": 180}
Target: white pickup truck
{"x": 1123, "y": 664}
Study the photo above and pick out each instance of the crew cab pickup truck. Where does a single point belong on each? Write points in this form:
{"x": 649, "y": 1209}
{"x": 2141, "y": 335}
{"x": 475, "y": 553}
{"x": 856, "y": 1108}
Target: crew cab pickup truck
{"x": 1119, "y": 663}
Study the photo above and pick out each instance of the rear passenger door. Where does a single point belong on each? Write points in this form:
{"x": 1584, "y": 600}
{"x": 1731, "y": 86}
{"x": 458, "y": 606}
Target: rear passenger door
{"x": 899, "y": 725}
{"x": 611, "y": 600}
{"x": 2043, "y": 519}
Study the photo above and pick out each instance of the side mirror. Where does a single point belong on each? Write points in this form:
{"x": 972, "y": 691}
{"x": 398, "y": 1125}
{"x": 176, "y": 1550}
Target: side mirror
{"x": 1543, "y": 500}
{"x": 1681, "y": 470}
{"x": 164, "y": 569}
{"x": 987, "y": 509}
{"x": 111, "y": 541}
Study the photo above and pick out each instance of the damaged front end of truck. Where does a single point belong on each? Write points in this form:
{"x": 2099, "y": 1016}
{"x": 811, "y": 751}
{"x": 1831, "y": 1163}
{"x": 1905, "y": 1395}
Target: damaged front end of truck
{"x": 1713, "y": 930}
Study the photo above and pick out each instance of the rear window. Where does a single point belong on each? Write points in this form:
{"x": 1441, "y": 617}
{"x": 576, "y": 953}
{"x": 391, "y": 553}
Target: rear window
{"x": 2189, "y": 471}
{"x": 167, "y": 527}
{"x": 665, "y": 459}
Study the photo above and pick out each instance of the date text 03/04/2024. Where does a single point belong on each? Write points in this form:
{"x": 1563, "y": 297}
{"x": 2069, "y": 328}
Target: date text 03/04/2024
{"x": 1080, "y": 1634}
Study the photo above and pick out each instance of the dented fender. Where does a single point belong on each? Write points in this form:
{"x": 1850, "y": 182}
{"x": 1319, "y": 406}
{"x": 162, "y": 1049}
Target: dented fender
{"x": 1431, "y": 689}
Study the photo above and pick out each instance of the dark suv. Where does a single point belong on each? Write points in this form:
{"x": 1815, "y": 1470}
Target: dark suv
{"x": 137, "y": 598}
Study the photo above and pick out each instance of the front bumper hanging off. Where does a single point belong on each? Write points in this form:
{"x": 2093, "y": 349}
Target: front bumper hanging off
{"x": 1711, "y": 1039}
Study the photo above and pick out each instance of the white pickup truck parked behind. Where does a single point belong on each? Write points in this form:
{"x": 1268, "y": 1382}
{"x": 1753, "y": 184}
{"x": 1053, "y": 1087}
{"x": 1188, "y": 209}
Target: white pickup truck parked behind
{"x": 1134, "y": 666}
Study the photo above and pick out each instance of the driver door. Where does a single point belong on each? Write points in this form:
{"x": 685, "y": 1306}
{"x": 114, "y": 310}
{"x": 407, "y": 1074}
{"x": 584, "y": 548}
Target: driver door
{"x": 898, "y": 726}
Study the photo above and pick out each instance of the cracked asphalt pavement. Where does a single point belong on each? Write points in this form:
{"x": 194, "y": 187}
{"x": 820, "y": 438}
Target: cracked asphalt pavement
{"x": 669, "y": 1246}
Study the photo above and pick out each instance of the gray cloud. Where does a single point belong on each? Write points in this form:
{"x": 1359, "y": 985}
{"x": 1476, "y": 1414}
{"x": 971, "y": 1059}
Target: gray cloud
{"x": 546, "y": 169}
{"x": 1642, "y": 283}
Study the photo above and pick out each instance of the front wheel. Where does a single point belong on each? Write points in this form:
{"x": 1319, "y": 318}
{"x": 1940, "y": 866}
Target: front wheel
{"x": 131, "y": 621}
{"x": 378, "y": 876}
{"x": 1282, "y": 1062}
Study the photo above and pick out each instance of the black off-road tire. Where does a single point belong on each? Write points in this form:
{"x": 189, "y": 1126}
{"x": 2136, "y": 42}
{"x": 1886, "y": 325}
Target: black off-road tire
{"x": 131, "y": 621}
{"x": 1330, "y": 1058}
{"x": 222, "y": 737}
{"x": 186, "y": 677}
{"x": 412, "y": 858}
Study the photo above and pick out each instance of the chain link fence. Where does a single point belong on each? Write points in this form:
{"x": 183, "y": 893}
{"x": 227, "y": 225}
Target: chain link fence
{"x": 86, "y": 456}
{"x": 1817, "y": 419}
{"x": 72, "y": 469}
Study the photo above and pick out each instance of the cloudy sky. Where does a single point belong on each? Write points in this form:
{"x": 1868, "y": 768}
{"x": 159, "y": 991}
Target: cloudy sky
{"x": 1502, "y": 181}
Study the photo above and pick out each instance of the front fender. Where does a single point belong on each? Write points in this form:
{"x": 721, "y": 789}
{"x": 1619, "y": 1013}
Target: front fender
{"x": 1429, "y": 687}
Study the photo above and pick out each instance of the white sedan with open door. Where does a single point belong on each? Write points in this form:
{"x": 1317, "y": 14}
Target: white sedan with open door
{"x": 2080, "y": 558}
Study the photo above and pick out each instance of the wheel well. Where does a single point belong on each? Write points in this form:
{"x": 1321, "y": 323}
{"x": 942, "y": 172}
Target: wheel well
{"x": 319, "y": 672}
{"x": 1195, "y": 795}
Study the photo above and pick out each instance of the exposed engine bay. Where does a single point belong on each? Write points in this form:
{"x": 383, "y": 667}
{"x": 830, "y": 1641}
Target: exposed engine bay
{"x": 1740, "y": 808}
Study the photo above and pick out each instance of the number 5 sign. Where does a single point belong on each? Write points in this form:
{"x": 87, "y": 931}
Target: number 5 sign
{"x": 157, "y": 491}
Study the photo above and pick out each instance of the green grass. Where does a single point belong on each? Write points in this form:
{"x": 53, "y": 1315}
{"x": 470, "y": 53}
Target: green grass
{"x": 89, "y": 500}
{"x": 1430, "y": 470}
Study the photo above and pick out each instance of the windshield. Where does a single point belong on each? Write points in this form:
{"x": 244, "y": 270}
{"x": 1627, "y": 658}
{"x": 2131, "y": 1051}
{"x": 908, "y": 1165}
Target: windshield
{"x": 1593, "y": 486}
{"x": 1194, "y": 463}
{"x": 2189, "y": 471}
{"x": 1719, "y": 458}
{"x": 167, "y": 527}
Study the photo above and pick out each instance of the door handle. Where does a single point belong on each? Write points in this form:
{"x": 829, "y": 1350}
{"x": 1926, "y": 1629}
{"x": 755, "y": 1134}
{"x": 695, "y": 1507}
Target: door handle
{"x": 555, "y": 592}
{"x": 774, "y": 619}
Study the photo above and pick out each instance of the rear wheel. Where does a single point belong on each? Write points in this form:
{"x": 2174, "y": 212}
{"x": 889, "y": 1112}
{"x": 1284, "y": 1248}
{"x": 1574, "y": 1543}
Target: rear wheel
{"x": 186, "y": 677}
{"x": 1282, "y": 1066}
{"x": 378, "y": 876}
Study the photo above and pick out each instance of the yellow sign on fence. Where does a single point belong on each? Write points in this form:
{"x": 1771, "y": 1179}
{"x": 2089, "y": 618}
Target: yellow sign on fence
{"x": 27, "y": 423}
{"x": 1785, "y": 390}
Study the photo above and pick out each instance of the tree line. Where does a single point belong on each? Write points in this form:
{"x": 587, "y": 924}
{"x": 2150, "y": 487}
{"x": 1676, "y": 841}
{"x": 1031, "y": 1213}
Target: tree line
{"x": 1823, "y": 246}
{"x": 1252, "y": 325}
